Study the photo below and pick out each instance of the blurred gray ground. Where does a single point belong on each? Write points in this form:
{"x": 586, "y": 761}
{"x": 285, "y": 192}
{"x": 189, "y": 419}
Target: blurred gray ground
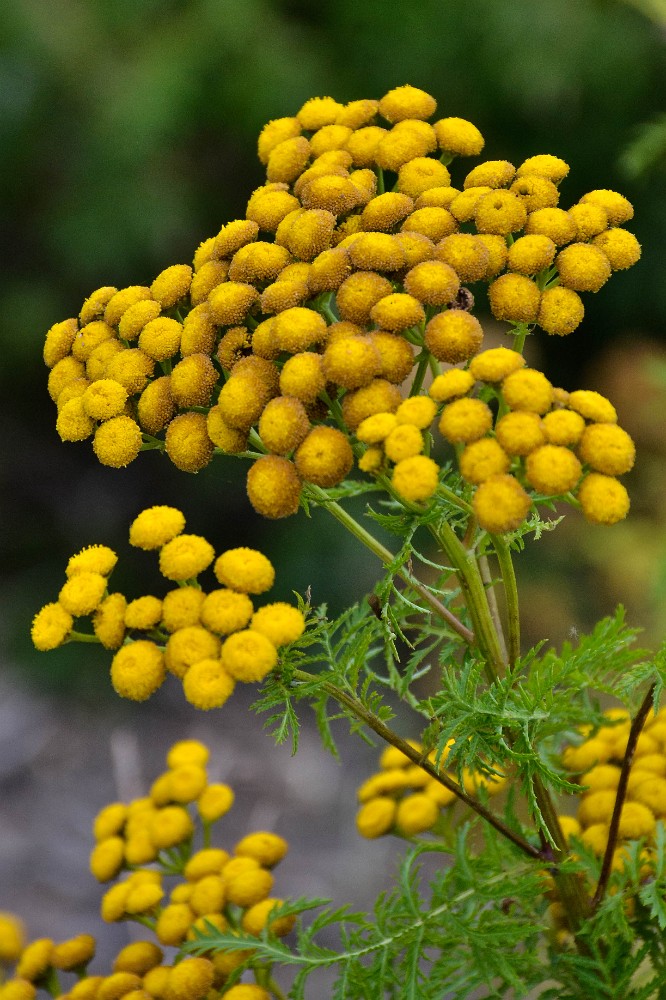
{"x": 60, "y": 763}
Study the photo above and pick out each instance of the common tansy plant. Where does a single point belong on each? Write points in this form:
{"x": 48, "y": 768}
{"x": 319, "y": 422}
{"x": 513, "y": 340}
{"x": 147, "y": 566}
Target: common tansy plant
{"x": 335, "y": 339}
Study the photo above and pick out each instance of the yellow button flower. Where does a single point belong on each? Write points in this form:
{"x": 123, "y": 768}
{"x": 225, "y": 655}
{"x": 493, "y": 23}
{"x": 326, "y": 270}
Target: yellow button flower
{"x": 51, "y": 627}
{"x": 138, "y": 670}
{"x": 454, "y": 335}
{"x": 280, "y": 622}
{"x": 185, "y": 556}
{"x": 325, "y": 456}
{"x": 500, "y": 504}
{"x": 607, "y": 448}
{"x": 465, "y": 420}
{"x": 274, "y": 487}
{"x": 376, "y": 817}
{"x": 552, "y": 469}
{"x": 416, "y": 478}
{"x": 603, "y": 499}
{"x": 248, "y": 656}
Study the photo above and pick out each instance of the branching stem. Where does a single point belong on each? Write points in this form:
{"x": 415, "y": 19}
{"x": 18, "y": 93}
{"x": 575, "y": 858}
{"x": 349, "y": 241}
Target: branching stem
{"x": 634, "y": 733}
{"x": 387, "y": 557}
{"x": 358, "y": 709}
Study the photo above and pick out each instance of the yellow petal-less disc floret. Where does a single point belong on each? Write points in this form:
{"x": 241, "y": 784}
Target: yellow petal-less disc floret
{"x": 248, "y": 655}
{"x": 417, "y": 410}
{"x": 404, "y": 441}
{"x": 396, "y": 354}
{"x": 73, "y": 423}
{"x": 617, "y": 207}
{"x": 82, "y": 593}
{"x": 138, "y": 670}
{"x": 563, "y": 427}
{"x": 280, "y": 622}
{"x": 187, "y": 443}
{"x": 283, "y": 424}
{"x": 607, "y": 448}
{"x": 155, "y": 526}
{"x": 245, "y": 570}
{"x": 432, "y": 282}
{"x": 109, "y": 621}
{"x": 421, "y": 174}
{"x": 583, "y": 267}
{"x": 325, "y": 456}
{"x": 500, "y": 212}
{"x": 620, "y": 247}
{"x": 514, "y": 297}
{"x": 185, "y": 556}
{"x": 358, "y": 294}
{"x": 552, "y": 469}
{"x": 544, "y": 165}
{"x": 560, "y": 311}
{"x": 482, "y": 459}
{"x": 406, "y": 102}
{"x": 351, "y": 362}
{"x": 535, "y": 192}
{"x": 143, "y": 613}
{"x": 603, "y": 499}
{"x": 376, "y": 817}
{"x": 593, "y": 406}
{"x": 156, "y": 405}
{"x": 454, "y": 335}
{"x": 224, "y": 611}
{"x": 450, "y": 385}
{"x": 207, "y": 684}
{"x": 274, "y": 487}
{"x": 520, "y": 432}
{"x": 528, "y": 389}
{"x": 416, "y": 478}
{"x": 92, "y": 559}
{"x": 416, "y": 813}
{"x": 552, "y": 222}
{"x": 500, "y": 504}
{"x": 465, "y": 420}
{"x": 531, "y": 254}
{"x": 160, "y": 338}
{"x": 435, "y": 223}
{"x": 104, "y": 399}
{"x": 458, "y": 137}
{"x": 117, "y": 442}
{"x": 466, "y": 253}
{"x": 495, "y": 364}
{"x": 589, "y": 220}
{"x": 302, "y": 376}
{"x": 396, "y": 312}
{"x": 51, "y": 627}
{"x": 186, "y": 646}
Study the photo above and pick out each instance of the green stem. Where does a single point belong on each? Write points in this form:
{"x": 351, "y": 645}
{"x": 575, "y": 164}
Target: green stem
{"x": 275, "y": 989}
{"x": 519, "y": 336}
{"x": 358, "y": 709}
{"x": 492, "y": 602}
{"x": 387, "y": 557}
{"x": 511, "y": 592}
{"x": 81, "y": 637}
{"x": 467, "y": 570}
{"x": 422, "y": 368}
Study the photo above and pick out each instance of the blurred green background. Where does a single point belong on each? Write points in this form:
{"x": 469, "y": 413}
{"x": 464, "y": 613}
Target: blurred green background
{"x": 127, "y": 135}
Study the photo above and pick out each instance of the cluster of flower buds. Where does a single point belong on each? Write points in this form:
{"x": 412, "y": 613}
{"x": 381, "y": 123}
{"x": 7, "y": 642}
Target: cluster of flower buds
{"x": 209, "y": 640}
{"x": 170, "y": 886}
{"x": 343, "y": 288}
{"x": 404, "y": 800}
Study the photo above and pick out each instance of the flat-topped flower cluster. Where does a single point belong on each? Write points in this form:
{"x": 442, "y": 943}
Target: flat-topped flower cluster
{"x": 173, "y": 887}
{"x": 296, "y": 333}
{"x": 209, "y": 640}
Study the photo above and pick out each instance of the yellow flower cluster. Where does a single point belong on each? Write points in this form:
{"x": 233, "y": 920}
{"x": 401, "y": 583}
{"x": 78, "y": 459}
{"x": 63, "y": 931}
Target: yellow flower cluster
{"x": 174, "y": 889}
{"x": 296, "y": 324}
{"x": 209, "y": 640}
{"x": 596, "y": 763}
{"x": 404, "y": 800}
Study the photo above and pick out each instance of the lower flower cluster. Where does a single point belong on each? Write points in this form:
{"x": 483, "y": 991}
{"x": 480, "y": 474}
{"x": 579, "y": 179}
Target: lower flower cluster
{"x": 171, "y": 887}
{"x": 596, "y": 764}
{"x": 404, "y": 800}
{"x": 209, "y": 640}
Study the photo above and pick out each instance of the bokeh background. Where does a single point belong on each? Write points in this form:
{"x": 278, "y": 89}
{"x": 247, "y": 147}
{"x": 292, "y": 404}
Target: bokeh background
{"x": 127, "y": 135}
